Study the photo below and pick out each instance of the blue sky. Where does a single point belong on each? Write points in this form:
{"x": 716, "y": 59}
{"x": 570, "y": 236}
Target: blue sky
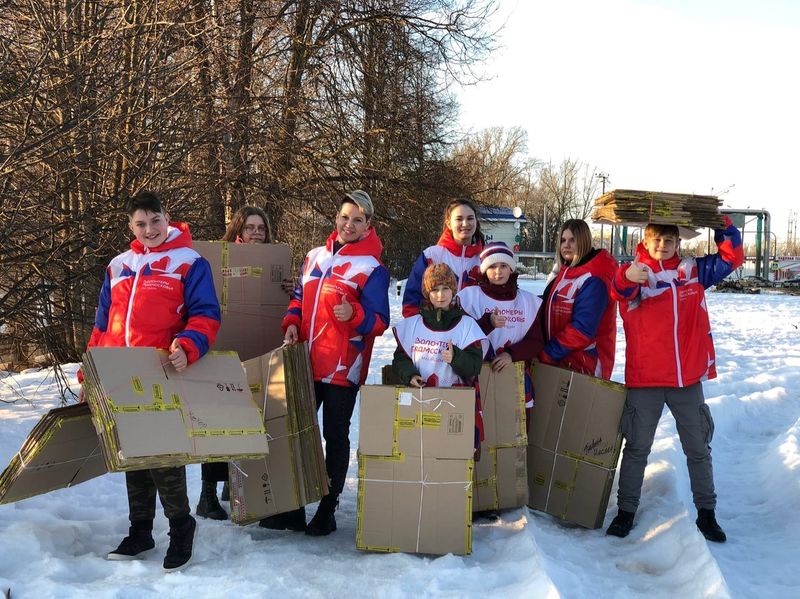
{"x": 674, "y": 96}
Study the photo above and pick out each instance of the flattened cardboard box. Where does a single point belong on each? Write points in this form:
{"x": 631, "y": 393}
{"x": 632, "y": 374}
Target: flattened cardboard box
{"x": 397, "y": 512}
{"x": 149, "y": 415}
{"x": 501, "y": 475}
{"x": 503, "y": 404}
{"x": 574, "y": 444}
{"x": 293, "y": 473}
{"x": 500, "y": 479}
{"x": 247, "y": 278}
{"x": 570, "y": 489}
{"x": 433, "y": 422}
{"x": 61, "y": 451}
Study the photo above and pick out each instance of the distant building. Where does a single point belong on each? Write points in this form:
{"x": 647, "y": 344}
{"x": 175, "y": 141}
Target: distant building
{"x": 499, "y": 224}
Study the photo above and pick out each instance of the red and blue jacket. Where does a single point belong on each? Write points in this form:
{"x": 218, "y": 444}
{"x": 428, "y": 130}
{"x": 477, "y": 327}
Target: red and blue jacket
{"x": 463, "y": 260}
{"x": 578, "y": 318}
{"x": 667, "y": 332}
{"x": 340, "y": 351}
{"x": 152, "y": 296}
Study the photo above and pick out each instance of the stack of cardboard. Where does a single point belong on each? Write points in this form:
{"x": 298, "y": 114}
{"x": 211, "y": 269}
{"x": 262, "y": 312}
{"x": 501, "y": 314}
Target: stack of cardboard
{"x": 293, "y": 474}
{"x": 147, "y": 415}
{"x": 415, "y": 470}
{"x": 632, "y": 207}
{"x": 61, "y": 451}
{"x": 574, "y": 444}
{"x": 501, "y": 475}
{"x": 247, "y": 278}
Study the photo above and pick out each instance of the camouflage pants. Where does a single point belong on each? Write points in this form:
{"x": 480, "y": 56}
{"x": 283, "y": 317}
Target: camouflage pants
{"x": 170, "y": 483}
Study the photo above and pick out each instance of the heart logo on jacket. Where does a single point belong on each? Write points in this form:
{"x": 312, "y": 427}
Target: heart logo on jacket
{"x": 341, "y": 270}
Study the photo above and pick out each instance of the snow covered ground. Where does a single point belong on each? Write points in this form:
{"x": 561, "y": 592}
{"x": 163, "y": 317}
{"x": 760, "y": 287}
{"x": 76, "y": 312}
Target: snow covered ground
{"x": 54, "y": 545}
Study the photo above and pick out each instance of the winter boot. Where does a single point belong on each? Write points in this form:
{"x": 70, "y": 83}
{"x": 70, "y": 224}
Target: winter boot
{"x": 208, "y": 506}
{"x": 226, "y": 492}
{"x": 294, "y": 520}
{"x": 621, "y": 525}
{"x": 323, "y": 523}
{"x": 138, "y": 542}
{"x": 488, "y": 515}
{"x": 181, "y": 537}
{"x": 707, "y": 524}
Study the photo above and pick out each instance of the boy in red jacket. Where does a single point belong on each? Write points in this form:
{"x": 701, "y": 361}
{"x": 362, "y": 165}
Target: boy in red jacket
{"x": 159, "y": 293}
{"x": 662, "y": 303}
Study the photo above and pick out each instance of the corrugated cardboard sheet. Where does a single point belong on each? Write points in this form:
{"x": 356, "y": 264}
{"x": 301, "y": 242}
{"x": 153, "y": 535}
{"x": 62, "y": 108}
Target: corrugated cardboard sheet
{"x": 574, "y": 444}
{"x": 293, "y": 474}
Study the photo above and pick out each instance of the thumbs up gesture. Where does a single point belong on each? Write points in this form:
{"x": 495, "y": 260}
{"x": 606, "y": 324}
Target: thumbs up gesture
{"x": 637, "y": 273}
{"x": 498, "y": 320}
{"x": 344, "y": 311}
{"x": 447, "y": 354}
{"x": 177, "y": 356}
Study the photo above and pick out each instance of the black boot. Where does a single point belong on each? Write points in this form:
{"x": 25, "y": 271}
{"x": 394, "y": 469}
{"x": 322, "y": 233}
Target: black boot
{"x": 138, "y": 542}
{"x": 294, "y": 520}
{"x": 181, "y": 538}
{"x": 226, "y": 492}
{"x": 707, "y": 524}
{"x": 621, "y": 525}
{"x": 323, "y": 523}
{"x": 208, "y": 506}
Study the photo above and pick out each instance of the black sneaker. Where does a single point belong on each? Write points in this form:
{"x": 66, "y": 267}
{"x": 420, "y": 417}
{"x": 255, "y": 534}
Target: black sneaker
{"x": 621, "y": 525}
{"x": 181, "y": 538}
{"x": 707, "y": 524}
{"x": 294, "y": 520}
{"x": 324, "y": 523}
{"x": 138, "y": 542}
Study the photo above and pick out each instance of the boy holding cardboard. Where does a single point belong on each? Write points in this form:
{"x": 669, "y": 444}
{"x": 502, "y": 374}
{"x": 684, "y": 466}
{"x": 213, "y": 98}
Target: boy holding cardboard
{"x": 159, "y": 293}
{"x": 668, "y": 352}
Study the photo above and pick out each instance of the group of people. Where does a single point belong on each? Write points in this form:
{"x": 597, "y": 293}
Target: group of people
{"x": 462, "y": 306}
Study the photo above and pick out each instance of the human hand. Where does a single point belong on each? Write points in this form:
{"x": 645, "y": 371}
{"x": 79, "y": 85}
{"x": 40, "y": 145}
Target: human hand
{"x": 498, "y": 320}
{"x": 636, "y": 272}
{"x": 417, "y": 381}
{"x": 500, "y": 361}
{"x": 291, "y": 337}
{"x": 177, "y": 356}
{"x": 344, "y": 311}
{"x": 447, "y": 354}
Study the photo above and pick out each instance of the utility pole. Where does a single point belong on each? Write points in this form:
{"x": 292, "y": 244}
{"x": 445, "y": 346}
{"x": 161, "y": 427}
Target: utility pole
{"x": 603, "y": 178}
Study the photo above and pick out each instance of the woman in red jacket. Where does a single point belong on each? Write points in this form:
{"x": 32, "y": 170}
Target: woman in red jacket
{"x": 578, "y": 316}
{"x": 459, "y": 246}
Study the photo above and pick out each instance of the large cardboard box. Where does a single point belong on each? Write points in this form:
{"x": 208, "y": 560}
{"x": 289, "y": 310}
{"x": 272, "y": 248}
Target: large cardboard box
{"x": 293, "y": 473}
{"x": 148, "y": 415}
{"x": 61, "y": 451}
{"x": 247, "y": 278}
{"x": 399, "y": 512}
{"x": 501, "y": 475}
{"x": 415, "y": 469}
{"x": 574, "y": 444}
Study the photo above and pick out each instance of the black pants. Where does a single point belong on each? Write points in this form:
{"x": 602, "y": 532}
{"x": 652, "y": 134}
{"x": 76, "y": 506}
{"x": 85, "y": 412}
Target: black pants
{"x": 337, "y": 409}
{"x": 214, "y": 471}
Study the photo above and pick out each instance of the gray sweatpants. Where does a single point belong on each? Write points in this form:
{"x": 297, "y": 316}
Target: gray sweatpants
{"x": 643, "y": 410}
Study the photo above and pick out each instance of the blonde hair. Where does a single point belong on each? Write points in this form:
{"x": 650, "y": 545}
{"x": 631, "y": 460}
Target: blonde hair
{"x": 583, "y": 240}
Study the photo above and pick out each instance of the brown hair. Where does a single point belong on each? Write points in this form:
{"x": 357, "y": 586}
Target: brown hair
{"x": 657, "y": 230}
{"x": 583, "y": 240}
{"x": 236, "y": 225}
{"x": 477, "y": 236}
